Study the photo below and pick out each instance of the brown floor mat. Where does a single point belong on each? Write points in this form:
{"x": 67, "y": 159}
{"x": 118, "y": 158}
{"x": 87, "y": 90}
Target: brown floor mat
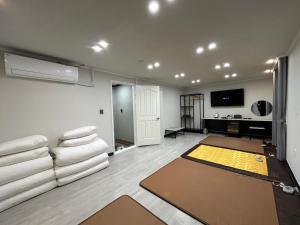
{"x": 125, "y": 211}
{"x": 234, "y": 143}
{"x": 214, "y": 196}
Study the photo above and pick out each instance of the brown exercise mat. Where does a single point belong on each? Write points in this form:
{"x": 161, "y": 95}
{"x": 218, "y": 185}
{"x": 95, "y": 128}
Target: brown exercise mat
{"x": 234, "y": 143}
{"x": 123, "y": 211}
{"x": 214, "y": 196}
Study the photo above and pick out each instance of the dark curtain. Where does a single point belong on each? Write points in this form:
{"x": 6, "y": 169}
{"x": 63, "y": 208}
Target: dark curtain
{"x": 279, "y": 113}
{"x": 275, "y": 97}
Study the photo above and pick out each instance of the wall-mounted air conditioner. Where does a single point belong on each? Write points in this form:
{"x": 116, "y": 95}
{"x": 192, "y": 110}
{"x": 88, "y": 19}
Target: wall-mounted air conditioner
{"x": 20, "y": 66}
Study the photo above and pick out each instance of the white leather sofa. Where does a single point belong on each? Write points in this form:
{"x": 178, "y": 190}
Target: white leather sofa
{"x": 26, "y": 170}
{"x": 80, "y": 153}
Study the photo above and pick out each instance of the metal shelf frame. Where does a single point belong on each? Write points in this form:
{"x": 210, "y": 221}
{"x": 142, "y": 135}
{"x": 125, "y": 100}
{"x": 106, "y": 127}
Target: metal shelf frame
{"x": 188, "y": 112}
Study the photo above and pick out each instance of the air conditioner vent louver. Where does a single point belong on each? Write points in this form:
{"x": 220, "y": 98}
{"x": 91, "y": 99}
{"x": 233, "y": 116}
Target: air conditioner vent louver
{"x": 20, "y": 66}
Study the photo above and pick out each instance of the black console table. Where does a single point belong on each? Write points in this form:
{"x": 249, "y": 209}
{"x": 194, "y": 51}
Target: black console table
{"x": 247, "y": 127}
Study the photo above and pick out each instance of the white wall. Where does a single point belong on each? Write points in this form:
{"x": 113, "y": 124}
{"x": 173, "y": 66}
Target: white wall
{"x": 293, "y": 112}
{"x": 123, "y": 121}
{"x": 254, "y": 90}
{"x": 170, "y": 108}
{"x": 29, "y": 107}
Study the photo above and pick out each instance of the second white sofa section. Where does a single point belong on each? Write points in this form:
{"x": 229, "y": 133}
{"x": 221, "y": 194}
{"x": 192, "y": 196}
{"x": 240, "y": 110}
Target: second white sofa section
{"x": 80, "y": 153}
{"x": 81, "y": 166}
{"x": 65, "y": 156}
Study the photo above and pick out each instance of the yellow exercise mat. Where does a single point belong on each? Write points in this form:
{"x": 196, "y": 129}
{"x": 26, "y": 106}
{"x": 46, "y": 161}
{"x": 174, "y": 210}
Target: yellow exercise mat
{"x": 231, "y": 158}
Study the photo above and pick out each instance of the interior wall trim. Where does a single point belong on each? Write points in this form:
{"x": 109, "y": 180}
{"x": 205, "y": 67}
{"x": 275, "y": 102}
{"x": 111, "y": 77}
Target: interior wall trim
{"x": 220, "y": 84}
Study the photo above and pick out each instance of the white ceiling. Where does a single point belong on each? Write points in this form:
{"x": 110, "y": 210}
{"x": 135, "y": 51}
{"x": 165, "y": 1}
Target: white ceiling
{"x": 248, "y": 32}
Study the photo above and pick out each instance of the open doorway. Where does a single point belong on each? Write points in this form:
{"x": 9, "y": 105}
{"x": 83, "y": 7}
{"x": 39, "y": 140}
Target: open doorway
{"x": 123, "y": 115}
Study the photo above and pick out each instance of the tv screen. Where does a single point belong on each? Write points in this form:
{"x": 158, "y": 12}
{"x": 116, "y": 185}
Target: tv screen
{"x": 227, "y": 98}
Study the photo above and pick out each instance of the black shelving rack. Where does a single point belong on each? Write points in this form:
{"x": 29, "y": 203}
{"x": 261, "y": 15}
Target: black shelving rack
{"x": 192, "y": 112}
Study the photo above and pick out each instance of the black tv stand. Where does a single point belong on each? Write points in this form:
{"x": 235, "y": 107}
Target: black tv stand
{"x": 249, "y": 128}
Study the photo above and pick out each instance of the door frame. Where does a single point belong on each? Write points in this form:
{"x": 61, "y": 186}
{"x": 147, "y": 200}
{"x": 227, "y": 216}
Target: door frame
{"x": 133, "y": 85}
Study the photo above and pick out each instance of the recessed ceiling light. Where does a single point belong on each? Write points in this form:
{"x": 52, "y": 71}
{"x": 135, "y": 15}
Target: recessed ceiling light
{"x": 157, "y": 64}
{"x": 2, "y": 2}
{"x": 150, "y": 67}
{"x": 153, "y": 7}
{"x": 217, "y": 67}
{"x": 212, "y": 46}
{"x": 198, "y": 81}
{"x": 176, "y": 76}
{"x": 182, "y": 74}
{"x": 271, "y": 61}
{"x": 103, "y": 44}
{"x": 234, "y": 75}
{"x": 193, "y": 81}
{"x": 68, "y": 71}
{"x": 268, "y": 71}
{"x": 97, "y": 48}
{"x": 226, "y": 65}
{"x": 199, "y": 50}
{"x": 226, "y": 76}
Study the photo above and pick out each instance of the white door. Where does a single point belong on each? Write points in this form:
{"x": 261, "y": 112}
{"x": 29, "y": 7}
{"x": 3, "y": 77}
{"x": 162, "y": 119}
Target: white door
{"x": 148, "y": 115}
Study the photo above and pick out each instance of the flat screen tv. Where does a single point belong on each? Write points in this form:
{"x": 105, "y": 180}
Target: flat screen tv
{"x": 227, "y": 98}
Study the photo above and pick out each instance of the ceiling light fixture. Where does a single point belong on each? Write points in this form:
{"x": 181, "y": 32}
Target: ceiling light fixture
{"x": 212, "y": 46}
{"x": 153, "y": 7}
{"x": 217, "y": 67}
{"x": 170, "y": 1}
{"x": 97, "y": 48}
{"x": 103, "y": 44}
{"x": 176, "y": 76}
{"x": 157, "y": 64}
{"x": 226, "y": 65}
{"x": 234, "y": 75}
{"x": 2, "y": 2}
{"x": 268, "y": 71}
{"x": 150, "y": 67}
{"x": 271, "y": 61}
{"x": 198, "y": 81}
{"x": 193, "y": 81}
{"x": 226, "y": 76}
{"x": 182, "y": 74}
{"x": 199, "y": 50}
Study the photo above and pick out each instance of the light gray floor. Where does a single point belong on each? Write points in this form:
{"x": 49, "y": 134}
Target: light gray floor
{"x": 75, "y": 202}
